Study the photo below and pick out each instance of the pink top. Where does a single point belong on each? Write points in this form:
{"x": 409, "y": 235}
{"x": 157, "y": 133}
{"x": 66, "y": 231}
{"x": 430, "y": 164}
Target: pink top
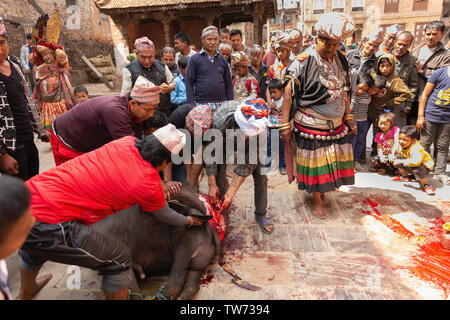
{"x": 387, "y": 140}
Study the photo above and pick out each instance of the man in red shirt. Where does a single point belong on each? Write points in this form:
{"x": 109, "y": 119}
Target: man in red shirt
{"x": 68, "y": 198}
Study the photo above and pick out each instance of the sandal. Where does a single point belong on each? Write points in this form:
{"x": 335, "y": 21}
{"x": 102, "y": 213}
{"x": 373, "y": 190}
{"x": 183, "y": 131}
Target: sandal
{"x": 263, "y": 222}
{"x": 400, "y": 178}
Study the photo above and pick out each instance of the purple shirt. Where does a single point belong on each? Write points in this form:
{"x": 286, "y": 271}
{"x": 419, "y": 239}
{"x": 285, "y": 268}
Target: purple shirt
{"x": 95, "y": 122}
{"x": 438, "y": 104}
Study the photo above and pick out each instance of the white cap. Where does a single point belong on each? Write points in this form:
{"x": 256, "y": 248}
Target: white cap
{"x": 171, "y": 138}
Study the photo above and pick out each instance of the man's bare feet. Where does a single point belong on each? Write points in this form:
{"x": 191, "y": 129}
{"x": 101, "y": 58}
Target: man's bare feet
{"x": 28, "y": 293}
{"x": 317, "y": 208}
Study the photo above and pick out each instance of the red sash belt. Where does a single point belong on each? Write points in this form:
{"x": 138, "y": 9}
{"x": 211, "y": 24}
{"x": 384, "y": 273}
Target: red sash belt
{"x": 338, "y": 130}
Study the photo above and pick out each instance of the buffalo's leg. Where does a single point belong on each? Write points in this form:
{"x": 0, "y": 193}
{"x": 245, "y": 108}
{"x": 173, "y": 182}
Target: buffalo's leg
{"x": 178, "y": 272}
{"x": 134, "y": 286}
{"x": 191, "y": 285}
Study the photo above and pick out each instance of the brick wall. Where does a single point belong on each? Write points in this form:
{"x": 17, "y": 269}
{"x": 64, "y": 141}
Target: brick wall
{"x": 16, "y": 37}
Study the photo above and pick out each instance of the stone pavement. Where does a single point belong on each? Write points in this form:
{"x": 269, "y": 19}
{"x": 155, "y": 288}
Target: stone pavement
{"x": 341, "y": 257}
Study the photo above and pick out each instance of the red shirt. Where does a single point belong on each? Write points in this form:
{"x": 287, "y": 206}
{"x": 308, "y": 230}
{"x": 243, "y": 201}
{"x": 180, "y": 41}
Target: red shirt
{"x": 94, "y": 185}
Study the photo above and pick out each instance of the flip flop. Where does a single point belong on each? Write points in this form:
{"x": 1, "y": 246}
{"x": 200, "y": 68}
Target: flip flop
{"x": 264, "y": 221}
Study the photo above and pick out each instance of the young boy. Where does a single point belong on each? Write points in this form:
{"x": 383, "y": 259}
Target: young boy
{"x": 158, "y": 120}
{"x": 16, "y": 222}
{"x": 178, "y": 96}
{"x": 275, "y": 88}
{"x": 393, "y": 96}
{"x": 412, "y": 158}
{"x": 366, "y": 86}
{"x": 245, "y": 86}
{"x": 81, "y": 94}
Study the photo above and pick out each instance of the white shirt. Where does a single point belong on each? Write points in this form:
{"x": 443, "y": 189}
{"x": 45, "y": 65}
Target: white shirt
{"x": 425, "y": 53}
{"x": 178, "y": 55}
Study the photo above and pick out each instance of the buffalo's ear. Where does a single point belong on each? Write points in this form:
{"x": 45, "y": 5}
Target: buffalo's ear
{"x": 178, "y": 207}
{"x": 195, "y": 213}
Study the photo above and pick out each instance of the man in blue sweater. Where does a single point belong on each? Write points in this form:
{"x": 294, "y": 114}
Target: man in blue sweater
{"x": 208, "y": 77}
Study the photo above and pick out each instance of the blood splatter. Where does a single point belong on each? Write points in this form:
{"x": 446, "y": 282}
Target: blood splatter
{"x": 207, "y": 280}
{"x": 388, "y": 221}
{"x": 431, "y": 263}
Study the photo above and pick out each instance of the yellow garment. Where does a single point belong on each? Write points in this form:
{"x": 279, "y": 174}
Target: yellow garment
{"x": 416, "y": 155}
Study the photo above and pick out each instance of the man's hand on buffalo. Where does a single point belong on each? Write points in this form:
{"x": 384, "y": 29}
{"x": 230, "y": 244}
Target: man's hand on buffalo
{"x": 193, "y": 221}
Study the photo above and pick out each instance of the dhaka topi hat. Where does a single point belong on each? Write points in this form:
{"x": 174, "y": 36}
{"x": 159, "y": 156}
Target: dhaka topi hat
{"x": 394, "y": 29}
{"x": 210, "y": 31}
{"x": 199, "y": 117}
{"x": 171, "y": 138}
{"x": 335, "y": 25}
{"x": 143, "y": 44}
{"x": 145, "y": 92}
{"x": 376, "y": 35}
{"x": 252, "y": 116}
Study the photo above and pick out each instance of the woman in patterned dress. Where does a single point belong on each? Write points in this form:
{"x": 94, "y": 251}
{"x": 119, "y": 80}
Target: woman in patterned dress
{"x": 317, "y": 103}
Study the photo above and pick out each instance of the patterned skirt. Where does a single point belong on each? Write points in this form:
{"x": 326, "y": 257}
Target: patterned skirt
{"x": 323, "y": 164}
{"x": 52, "y": 110}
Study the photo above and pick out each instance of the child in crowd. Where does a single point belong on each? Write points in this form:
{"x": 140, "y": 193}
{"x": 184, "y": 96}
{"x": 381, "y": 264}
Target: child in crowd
{"x": 16, "y": 222}
{"x": 275, "y": 88}
{"x": 158, "y": 120}
{"x": 392, "y": 97}
{"x": 411, "y": 158}
{"x": 387, "y": 142}
{"x": 366, "y": 86}
{"x": 178, "y": 96}
{"x": 81, "y": 94}
{"x": 245, "y": 86}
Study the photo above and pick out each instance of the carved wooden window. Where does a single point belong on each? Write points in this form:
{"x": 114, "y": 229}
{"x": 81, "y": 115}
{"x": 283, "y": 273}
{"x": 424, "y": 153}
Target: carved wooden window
{"x": 420, "y": 5}
{"x": 358, "y": 5}
{"x": 391, "y": 6}
{"x": 319, "y": 6}
{"x": 338, "y": 5}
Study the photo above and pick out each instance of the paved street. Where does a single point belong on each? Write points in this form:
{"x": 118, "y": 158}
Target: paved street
{"x": 350, "y": 255}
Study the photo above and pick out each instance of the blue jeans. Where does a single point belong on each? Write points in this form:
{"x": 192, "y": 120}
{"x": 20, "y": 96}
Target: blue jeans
{"x": 179, "y": 173}
{"x": 359, "y": 141}
{"x": 282, "y": 163}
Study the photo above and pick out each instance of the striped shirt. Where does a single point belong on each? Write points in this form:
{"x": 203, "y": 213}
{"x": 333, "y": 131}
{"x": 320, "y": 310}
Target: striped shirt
{"x": 360, "y": 104}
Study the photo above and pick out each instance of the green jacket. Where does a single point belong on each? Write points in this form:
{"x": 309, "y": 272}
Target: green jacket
{"x": 408, "y": 73}
{"x": 396, "y": 90}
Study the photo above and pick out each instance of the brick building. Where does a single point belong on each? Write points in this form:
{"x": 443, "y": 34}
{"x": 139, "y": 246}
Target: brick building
{"x": 160, "y": 20}
{"x": 82, "y": 23}
{"x": 413, "y": 15}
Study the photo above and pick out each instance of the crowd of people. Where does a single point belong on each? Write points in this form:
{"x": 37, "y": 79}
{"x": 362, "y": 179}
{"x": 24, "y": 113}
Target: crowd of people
{"x": 316, "y": 97}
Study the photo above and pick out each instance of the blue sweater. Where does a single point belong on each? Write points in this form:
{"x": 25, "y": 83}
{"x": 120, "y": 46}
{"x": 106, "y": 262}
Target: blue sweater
{"x": 206, "y": 80}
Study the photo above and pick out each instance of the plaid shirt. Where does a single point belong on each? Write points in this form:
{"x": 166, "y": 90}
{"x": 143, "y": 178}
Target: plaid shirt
{"x": 223, "y": 119}
{"x": 7, "y": 127}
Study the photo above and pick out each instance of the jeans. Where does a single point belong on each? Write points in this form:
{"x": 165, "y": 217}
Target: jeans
{"x": 439, "y": 135}
{"x": 359, "y": 141}
{"x": 179, "y": 173}
{"x": 282, "y": 163}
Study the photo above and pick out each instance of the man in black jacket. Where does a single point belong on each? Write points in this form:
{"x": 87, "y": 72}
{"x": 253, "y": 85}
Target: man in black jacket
{"x": 154, "y": 70}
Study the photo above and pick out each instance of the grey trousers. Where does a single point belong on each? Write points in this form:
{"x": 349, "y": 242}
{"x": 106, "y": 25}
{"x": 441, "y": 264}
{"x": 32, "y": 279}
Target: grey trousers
{"x": 260, "y": 187}
{"x": 437, "y": 134}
